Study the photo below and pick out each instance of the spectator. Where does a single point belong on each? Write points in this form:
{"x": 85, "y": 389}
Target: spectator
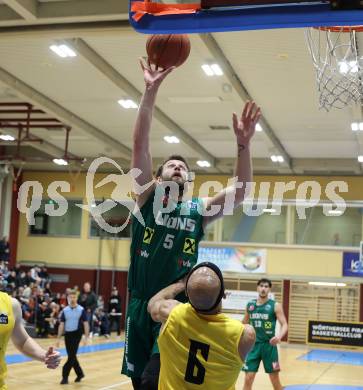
{"x": 104, "y": 324}
{"x": 47, "y": 289}
{"x": 11, "y": 279}
{"x": 4, "y": 249}
{"x": 43, "y": 319}
{"x": 88, "y": 300}
{"x": 114, "y": 310}
{"x": 28, "y": 279}
{"x": 76, "y": 290}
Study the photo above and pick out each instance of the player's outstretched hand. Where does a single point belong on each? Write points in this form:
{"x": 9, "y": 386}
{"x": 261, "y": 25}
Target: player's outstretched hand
{"x": 52, "y": 358}
{"x": 244, "y": 126}
{"x": 153, "y": 76}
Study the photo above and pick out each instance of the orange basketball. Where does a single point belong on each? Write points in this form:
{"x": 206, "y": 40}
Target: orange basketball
{"x": 165, "y": 51}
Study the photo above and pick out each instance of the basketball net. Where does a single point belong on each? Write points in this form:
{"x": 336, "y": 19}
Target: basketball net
{"x": 338, "y": 65}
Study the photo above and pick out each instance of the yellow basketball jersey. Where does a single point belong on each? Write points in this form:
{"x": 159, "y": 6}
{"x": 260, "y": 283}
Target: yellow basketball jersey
{"x": 199, "y": 351}
{"x": 7, "y": 322}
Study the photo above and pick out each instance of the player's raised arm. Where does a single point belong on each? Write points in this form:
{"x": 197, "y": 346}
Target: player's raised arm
{"x": 244, "y": 129}
{"x": 162, "y": 303}
{"x": 141, "y": 156}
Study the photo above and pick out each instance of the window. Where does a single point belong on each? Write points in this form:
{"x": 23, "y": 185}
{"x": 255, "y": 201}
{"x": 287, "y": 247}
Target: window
{"x": 320, "y": 229}
{"x": 265, "y": 228}
{"x": 115, "y": 217}
{"x": 68, "y": 224}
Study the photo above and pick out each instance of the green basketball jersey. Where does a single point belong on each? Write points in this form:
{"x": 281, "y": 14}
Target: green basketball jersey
{"x": 263, "y": 319}
{"x": 165, "y": 250}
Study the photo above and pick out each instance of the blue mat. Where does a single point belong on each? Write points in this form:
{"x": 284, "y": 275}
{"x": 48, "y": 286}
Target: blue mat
{"x": 19, "y": 358}
{"x": 339, "y": 357}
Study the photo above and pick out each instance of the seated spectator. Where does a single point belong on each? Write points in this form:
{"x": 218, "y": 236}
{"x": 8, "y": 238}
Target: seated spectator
{"x": 47, "y": 289}
{"x": 11, "y": 279}
{"x": 104, "y": 323}
{"x": 54, "y": 319}
{"x": 114, "y": 310}
{"x": 27, "y": 280}
{"x": 43, "y": 319}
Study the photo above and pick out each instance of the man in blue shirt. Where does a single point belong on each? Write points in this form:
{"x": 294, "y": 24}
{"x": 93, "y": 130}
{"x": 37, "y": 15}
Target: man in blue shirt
{"x": 73, "y": 319}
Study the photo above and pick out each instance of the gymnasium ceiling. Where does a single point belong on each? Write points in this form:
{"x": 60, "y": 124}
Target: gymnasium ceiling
{"x": 272, "y": 67}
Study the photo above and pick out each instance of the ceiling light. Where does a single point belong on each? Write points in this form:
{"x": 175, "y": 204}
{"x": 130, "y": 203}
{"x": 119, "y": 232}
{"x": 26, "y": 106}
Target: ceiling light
{"x": 335, "y": 212}
{"x": 7, "y": 137}
{"x": 212, "y": 70}
{"x": 60, "y": 161}
{"x": 258, "y": 127}
{"x": 171, "y": 139}
{"x": 269, "y": 210}
{"x": 127, "y": 103}
{"x": 203, "y": 163}
{"x": 217, "y": 70}
{"x": 63, "y": 51}
{"x": 277, "y": 158}
{"x": 331, "y": 284}
{"x": 360, "y": 159}
{"x": 207, "y": 70}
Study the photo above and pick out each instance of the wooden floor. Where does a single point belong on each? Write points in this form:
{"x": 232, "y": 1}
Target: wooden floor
{"x": 102, "y": 370}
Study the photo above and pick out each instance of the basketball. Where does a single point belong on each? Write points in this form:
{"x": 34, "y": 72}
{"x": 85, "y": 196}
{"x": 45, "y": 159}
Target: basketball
{"x": 165, "y": 51}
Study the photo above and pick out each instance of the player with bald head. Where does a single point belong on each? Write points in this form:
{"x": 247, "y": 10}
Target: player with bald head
{"x": 198, "y": 344}
{"x": 204, "y": 287}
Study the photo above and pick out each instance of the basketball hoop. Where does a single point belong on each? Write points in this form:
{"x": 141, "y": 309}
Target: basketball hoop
{"x": 338, "y": 62}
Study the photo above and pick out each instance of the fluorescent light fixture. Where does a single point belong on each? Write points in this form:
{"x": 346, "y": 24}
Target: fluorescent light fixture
{"x": 277, "y": 158}
{"x": 258, "y": 127}
{"x": 360, "y": 159}
{"x": 329, "y": 284}
{"x": 63, "y": 51}
{"x": 171, "y": 139}
{"x": 269, "y": 211}
{"x": 207, "y": 70}
{"x": 212, "y": 70}
{"x": 127, "y": 103}
{"x": 335, "y": 212}
{"x": 203, "y": 163}
{"x": 7, "y": 137}
{"x": 60, "y": 161}
{"x": 217, "y": 70}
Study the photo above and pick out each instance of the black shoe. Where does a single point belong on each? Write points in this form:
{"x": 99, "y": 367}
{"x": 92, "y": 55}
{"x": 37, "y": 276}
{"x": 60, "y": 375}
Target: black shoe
{"x": 79, "y": 378}
{"x": 64, "y": 381}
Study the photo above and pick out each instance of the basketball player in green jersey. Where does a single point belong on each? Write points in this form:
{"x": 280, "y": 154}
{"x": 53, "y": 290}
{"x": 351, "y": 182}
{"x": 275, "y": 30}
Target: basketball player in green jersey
{"x": 165, "y": 249}
{"x": 262, "y": 314}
